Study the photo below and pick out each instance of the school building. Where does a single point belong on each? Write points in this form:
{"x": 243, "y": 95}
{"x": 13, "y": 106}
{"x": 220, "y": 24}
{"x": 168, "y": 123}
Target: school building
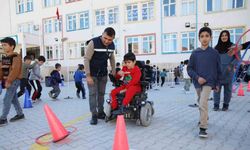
{"x": 163, "y": 31}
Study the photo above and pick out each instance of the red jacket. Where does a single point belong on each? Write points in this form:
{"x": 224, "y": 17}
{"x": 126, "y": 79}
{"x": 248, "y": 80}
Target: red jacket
{"x": 132, "y": 78}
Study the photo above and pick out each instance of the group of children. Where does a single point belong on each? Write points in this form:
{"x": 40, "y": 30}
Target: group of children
{"x": 204, "y": 68}
{"x": 15, "y": 73}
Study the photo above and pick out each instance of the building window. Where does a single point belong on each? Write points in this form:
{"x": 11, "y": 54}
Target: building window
{"x": 83, "y": 48}
{"x": 71, "y": 22}
{"x": 132, "y": 12}
{"x": 113, "y": 15}
{"x": 148, "y": 44}
{"x": 58, "y": 25}
{"x": 143, "y": 44}
{"x": 169, "y": 43}
{"x": 50, "y": 3}
{"x": 20, "y": 6}
{"x": 214, "y": 5}
{"x": 26, "y": 28}
{"x": 100, "y": 17}
{"x": 169, "y": 7}
{"x": 133, "y": 44}
{"x": 29, "y": 5}
{"x": 48, "y": 26}
{"x": 188, "y": 41}
{"x": 148, "y": 10}
{"x": 235, "y": 4}
{"x": 117, "y": 45}
{"x": 49, "y": 52}
{"x": 216, "y": 35}
{"x": 187, "y": 7}
{"x": 84, "y": 20}
{"x": 235, "y": 34}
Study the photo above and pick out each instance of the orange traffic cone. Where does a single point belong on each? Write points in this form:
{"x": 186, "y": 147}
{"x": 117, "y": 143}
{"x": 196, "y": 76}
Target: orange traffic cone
{"x": 57, "y": 129}
{"x": 121, "y": 140}
{"x": 241, "y": 91}
{"x": 248, "y": 86}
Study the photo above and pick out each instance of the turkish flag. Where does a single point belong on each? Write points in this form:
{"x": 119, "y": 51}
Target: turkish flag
{"x": 57, "y": 14}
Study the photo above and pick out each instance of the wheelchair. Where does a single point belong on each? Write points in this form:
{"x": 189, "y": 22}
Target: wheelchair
{"x": 139, "y": 109}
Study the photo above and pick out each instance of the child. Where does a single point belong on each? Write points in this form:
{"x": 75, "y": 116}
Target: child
{"x": 131, "y": 77}
{"x": 186, "y": 78}
{"x": 227, "y": 67}
{"x": 35, "y": 78}
{"x": 204, "y": 69}
{"x": 10, "y": 74}
{"x": 163, "y": 75}
{"x": 78, "y": 76}
{"x": 55, "y": 80}
{"x": 26, "y": 65}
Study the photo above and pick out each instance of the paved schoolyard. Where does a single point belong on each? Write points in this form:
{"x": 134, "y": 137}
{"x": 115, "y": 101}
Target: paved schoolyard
{"x": 174, "y": 125}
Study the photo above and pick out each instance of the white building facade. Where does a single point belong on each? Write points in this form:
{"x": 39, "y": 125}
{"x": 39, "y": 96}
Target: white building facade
{"x": 163, "y": 31}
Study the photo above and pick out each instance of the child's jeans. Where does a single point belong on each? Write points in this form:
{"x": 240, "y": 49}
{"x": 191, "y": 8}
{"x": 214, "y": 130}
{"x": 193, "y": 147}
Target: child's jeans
{"x": 11, "y": 97}
{"x": 55, "y": 91}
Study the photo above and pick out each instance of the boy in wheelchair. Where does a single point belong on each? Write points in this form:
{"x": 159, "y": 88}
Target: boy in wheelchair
{"x": 131, "y": 75}
{"x": 129, "y": 97}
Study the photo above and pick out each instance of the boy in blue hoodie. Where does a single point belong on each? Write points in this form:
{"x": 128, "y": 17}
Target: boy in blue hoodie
{"x": 55, "y": 80}
{"x": 204, "y": 69}
{"x": 78, "y": 76}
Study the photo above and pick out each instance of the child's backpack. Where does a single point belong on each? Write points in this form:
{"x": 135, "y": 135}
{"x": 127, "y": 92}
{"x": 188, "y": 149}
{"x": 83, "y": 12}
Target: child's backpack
{"x": 48, "y": 81}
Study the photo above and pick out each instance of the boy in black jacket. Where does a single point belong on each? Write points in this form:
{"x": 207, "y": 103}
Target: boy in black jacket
{"x": 55, "y": 80}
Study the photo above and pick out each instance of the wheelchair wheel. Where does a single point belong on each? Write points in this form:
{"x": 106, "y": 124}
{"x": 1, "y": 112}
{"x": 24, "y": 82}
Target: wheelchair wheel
{"x": 108, "y": 110}
{"x": 146, "y": 115}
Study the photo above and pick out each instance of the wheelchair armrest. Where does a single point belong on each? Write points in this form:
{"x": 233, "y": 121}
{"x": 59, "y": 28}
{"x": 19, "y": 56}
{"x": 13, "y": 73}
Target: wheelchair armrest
{"x": 144, "y": 83}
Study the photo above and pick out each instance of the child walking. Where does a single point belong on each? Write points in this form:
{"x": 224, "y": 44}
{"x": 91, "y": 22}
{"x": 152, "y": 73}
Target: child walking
{"x": 78, "y": 76}
{"x": 204, "y": 69}
{"x": 26, "y": 66}
{"x": 55, "y": 80}
{"x": 10, "y": 74}
{"x": 163, "y": 75}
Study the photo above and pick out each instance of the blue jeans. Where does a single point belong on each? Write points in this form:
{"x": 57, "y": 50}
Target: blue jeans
{"x": 227, "y": 95}
{"x": 11, "y": 97}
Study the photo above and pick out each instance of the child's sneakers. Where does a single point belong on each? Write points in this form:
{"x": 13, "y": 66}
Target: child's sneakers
{"x": 3, "y": 122}
{"x": 78, "y": 95}
{"x": 203, "y": 133}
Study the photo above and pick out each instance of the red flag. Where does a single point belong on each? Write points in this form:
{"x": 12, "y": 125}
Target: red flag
{"x": 57, "y": 14}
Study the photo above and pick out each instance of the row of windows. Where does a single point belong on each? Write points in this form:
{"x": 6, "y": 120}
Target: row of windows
{"x": 145, "y": 44}
{"x": 188, "y": 6}
{"x": 188, "y": 40}
{"x": 140, "y": 11}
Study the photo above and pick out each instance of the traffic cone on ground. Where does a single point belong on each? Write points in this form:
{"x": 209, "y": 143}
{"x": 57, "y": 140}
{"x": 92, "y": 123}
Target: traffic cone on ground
{"x": 27, "y": 102}
{"x": 57, "y": 129}
{"x": 248, "y": 86}
{"x": 121, "y": 140}
{"x": 241, "y": 91}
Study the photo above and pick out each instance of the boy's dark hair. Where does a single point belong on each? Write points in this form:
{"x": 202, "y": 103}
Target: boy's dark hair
{"x": 81, "y": 67}
{"x": 10, "y": 41}
{"x": 110, "y": 31}
{"x": 129, "y": 56}
{"x": 147, "y": 62}
{"x": 57, "y": 65}
{"x": 118, "y": 64}
{"x": 205, "y": 29}
{"x": 41, "y": 58}
{"x": 186, "y": 62}
{"x": 27, "y": 58}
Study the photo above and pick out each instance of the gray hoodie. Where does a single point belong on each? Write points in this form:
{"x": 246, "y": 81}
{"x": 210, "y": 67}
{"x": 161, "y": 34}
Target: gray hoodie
{"x": 35, "y": 73}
